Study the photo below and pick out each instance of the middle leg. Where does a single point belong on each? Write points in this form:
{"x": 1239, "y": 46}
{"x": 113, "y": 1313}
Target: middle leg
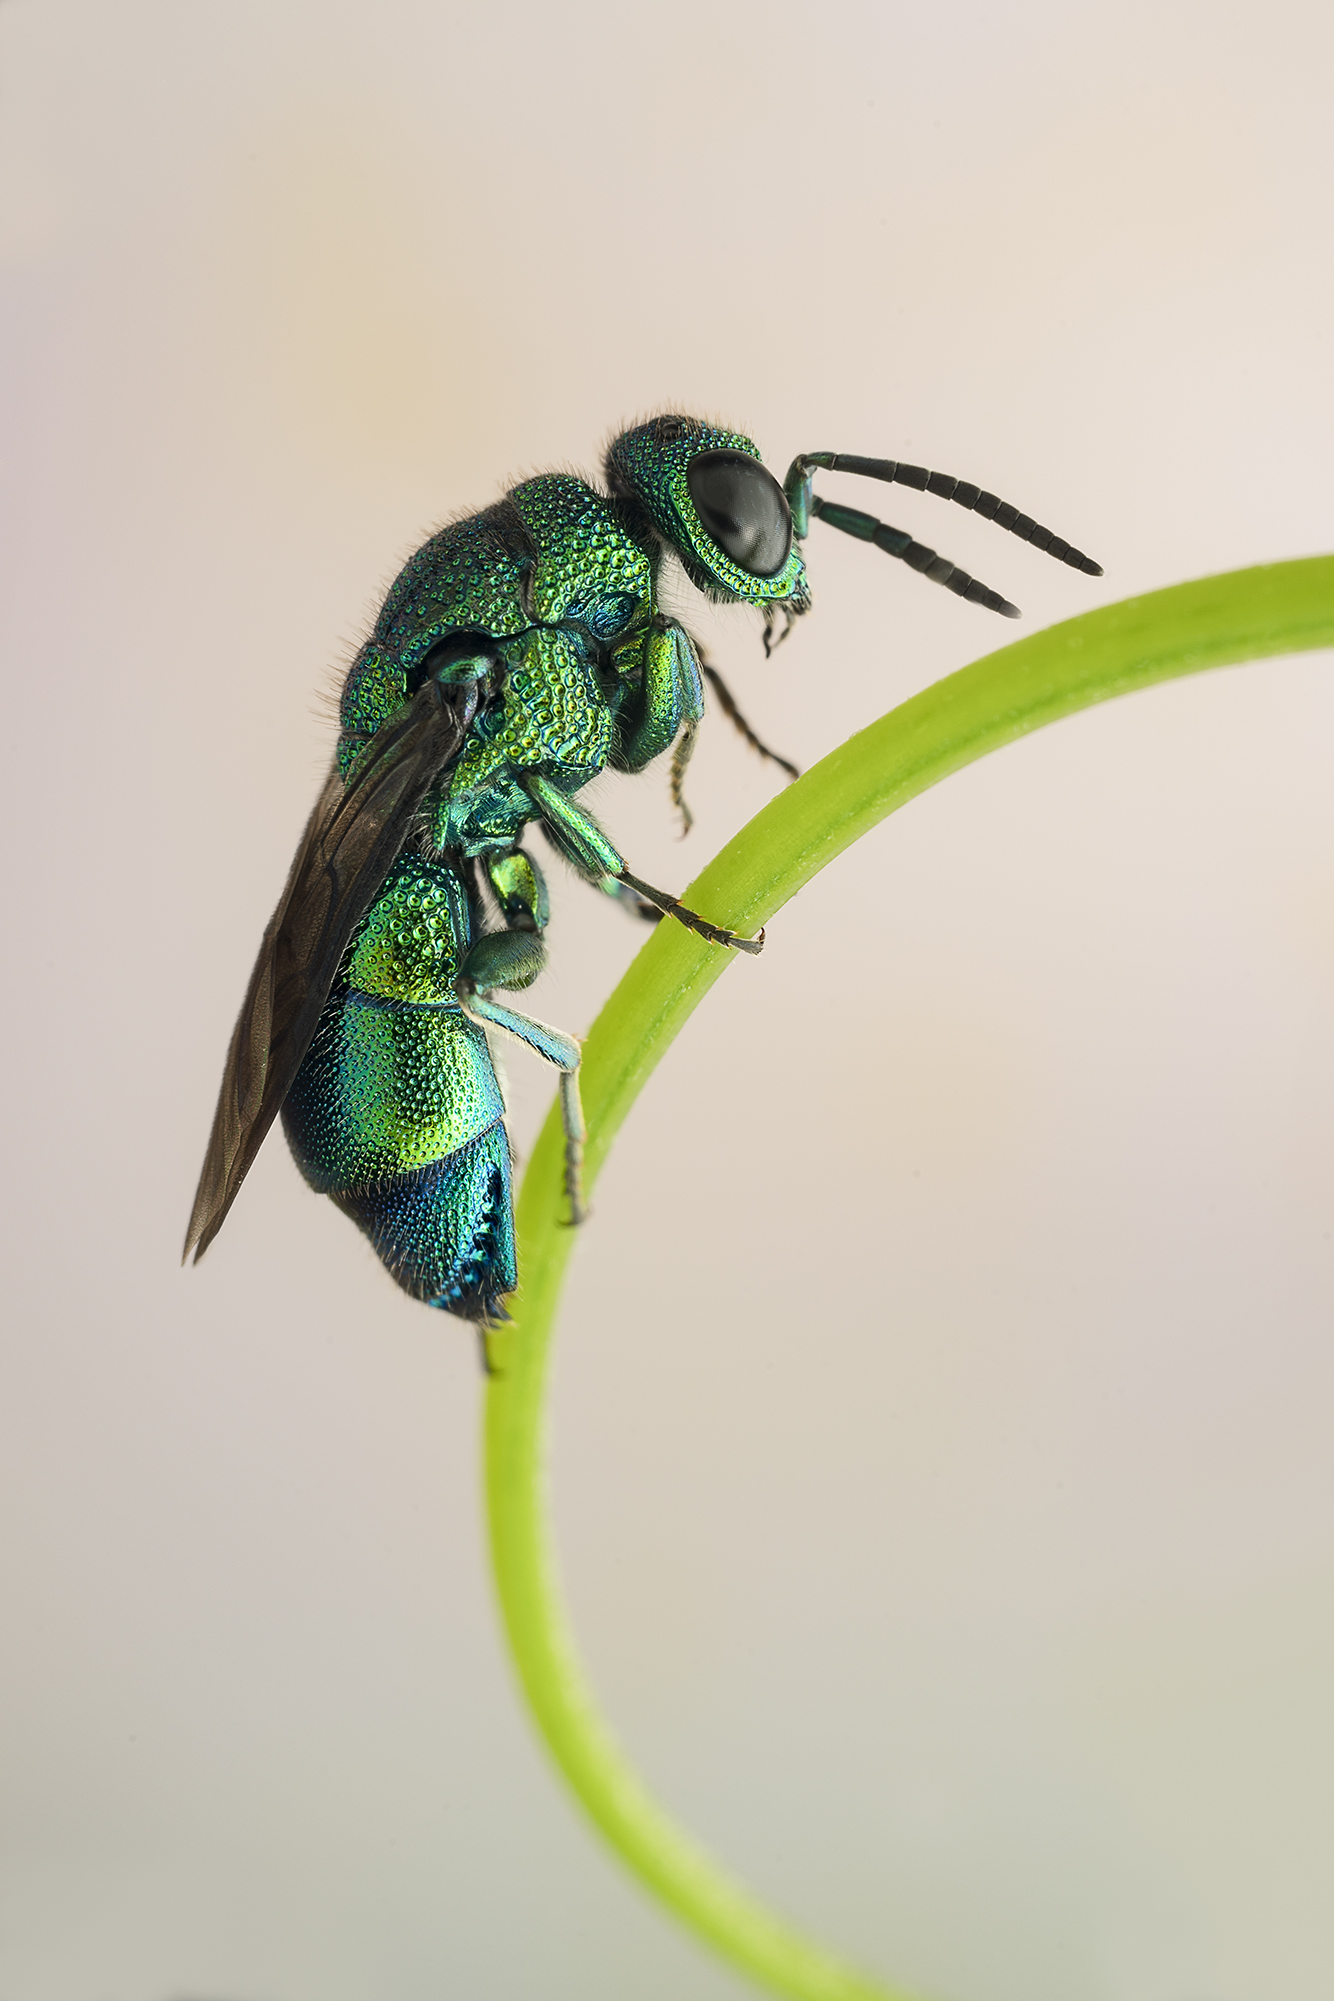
{"x": 583, "y": 843}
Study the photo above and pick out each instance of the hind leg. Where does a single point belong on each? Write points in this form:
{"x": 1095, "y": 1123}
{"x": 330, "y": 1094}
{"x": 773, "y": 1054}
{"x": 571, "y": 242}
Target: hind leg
{"x": 514, "y": 959}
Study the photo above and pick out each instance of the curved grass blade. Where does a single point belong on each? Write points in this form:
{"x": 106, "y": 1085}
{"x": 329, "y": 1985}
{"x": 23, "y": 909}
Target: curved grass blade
{"x": 1244, "y": 615}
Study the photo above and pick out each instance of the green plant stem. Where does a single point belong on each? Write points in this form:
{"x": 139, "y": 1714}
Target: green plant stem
{"x": 1280, "y": 608}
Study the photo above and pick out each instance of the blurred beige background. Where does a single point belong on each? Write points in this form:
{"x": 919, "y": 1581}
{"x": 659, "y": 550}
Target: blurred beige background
{"x": 942, "y": 1448}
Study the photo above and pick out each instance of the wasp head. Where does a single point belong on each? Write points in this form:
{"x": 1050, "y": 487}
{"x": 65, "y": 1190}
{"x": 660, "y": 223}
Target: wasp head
{"x": 710, "y": 497}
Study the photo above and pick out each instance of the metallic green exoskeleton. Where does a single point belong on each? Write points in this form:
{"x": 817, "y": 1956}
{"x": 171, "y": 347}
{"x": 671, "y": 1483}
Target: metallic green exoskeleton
{"x": 519, "y": 653}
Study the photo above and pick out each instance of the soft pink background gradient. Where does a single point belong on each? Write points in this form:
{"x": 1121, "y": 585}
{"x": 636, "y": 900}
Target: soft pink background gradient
{"x": 942, "y": 1453}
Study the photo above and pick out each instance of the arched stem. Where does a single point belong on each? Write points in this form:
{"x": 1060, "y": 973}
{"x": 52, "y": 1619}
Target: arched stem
{"x": 1280, "y": 608}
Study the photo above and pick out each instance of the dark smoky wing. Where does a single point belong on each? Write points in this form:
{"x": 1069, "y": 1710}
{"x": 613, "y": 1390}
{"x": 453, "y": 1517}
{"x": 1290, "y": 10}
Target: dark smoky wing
{"x": 351, "y": 842}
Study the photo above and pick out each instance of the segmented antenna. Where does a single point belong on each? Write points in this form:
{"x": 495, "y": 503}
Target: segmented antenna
{"x": 897, "y": 542}
{"x": 975, "y": 498}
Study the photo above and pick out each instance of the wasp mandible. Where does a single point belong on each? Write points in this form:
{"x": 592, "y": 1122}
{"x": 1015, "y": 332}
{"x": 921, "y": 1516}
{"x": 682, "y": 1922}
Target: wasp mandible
{"x": 519, "y": 652}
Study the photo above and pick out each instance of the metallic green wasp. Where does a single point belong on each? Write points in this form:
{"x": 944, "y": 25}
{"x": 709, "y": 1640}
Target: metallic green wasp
{"x": 518, "y": 654}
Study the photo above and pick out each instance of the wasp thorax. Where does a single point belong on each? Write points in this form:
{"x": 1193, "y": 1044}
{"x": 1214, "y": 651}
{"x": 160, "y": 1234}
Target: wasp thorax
{"x": 741, "y": 505}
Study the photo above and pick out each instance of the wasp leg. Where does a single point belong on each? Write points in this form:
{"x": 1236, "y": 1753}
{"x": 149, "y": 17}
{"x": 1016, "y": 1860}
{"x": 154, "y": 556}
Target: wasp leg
{"x": 629, "y": 899}
{"x": 667, "y": 709}
{"x": 727, "y": 702}
{"x": 672, "y": 695}
{"x": 520, "y": 891}
{"x": 556, "y": 1048}
{"x": 514, "y": 959}
{"x": 573, "y": 832}
{"x": 671, "y": 907}
{"x": 610, "y": 885}
{"x": 681, "y": 756}
{"x": 582, "y": 842}
{"x": 519, "y": 888}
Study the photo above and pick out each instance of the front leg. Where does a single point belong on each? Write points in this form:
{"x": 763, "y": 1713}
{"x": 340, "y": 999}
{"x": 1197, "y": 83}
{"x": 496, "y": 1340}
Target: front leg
{"x": 672, "y": 695}
{"x": 583, "y": 843}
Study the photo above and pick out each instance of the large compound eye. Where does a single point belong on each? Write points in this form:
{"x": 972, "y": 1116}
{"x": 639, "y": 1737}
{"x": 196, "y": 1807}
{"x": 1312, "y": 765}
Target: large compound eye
{"x": 742, "y": 506}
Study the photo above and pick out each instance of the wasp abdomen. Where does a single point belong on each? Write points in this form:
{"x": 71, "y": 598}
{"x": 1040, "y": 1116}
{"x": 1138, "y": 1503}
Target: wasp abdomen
{"x": 396, "y": 1112}
{"x": 446, "y": 1232}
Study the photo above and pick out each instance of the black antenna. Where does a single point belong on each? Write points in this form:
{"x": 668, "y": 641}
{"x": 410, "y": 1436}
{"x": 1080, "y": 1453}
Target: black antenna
{"x": 975, "y": 498}
{"x": 897, "y": 542}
